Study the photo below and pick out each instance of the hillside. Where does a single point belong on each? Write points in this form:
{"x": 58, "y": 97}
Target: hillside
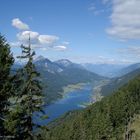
{"x": 127, "y": 69}
{"x": 104, "y": 120}
{"x": 116, "y": 83}
{"x": 53, "y": 83}
{"x": 136, "y": 127}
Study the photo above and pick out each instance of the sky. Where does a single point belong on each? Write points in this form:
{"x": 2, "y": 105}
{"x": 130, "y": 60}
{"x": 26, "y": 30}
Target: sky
{"x": 83, "y": 31}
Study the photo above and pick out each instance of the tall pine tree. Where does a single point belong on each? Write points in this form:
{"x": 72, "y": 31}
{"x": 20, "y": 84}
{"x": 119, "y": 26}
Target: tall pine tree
{"x": 29, "y": 98}
{"x": 6, "y": 61}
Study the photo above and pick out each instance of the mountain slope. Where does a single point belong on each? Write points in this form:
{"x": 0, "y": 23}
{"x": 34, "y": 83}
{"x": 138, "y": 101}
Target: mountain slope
{"x": 128, "y": 69}
{"x": 58, "y": 74}
{"x": 54, "y": 80}
{"x": 136, "y": 127}
{"x": 104, "y": 120}
{"x": 65, "y": 63}
{"x": 116, "y": 83}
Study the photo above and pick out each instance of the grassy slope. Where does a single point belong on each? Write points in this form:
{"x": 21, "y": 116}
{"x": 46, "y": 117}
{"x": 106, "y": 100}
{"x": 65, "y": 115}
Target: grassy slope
{"x": 136, "y": 127}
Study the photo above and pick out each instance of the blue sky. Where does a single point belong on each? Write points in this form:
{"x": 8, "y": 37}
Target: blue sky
{"x": 84, "y": 31}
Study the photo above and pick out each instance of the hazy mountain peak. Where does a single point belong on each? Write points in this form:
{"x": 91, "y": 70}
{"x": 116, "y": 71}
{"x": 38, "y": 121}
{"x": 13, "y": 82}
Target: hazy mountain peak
{"x": 40, "y": 57}
{"x": 64, "y": 62}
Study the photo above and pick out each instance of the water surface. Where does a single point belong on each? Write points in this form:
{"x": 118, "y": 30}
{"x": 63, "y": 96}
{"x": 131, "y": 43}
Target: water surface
{"x": 71, "y": 101}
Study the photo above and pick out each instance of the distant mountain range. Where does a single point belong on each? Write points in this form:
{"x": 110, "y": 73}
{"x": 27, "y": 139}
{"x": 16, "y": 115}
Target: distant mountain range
{"x": 119, "y": 75}
{"x": 128, "y": 69}
{"x": 111, "y": 70}
{"x": 107, "y": 70}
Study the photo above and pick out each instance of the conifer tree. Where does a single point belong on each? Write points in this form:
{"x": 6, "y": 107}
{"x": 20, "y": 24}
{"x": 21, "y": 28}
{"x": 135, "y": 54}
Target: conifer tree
{"x": 29, "y": 98}
{"x": 6, "y": 61}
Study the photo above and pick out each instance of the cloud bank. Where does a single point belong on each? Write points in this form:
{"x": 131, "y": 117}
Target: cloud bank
{"x": 125, "y": 19}
{"x": 42, "y": 41}
{"x": 17, "y": 23}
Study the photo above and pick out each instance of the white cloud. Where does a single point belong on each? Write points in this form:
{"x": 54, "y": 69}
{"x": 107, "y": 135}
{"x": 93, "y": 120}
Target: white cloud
{"x": 36, "y": 38}
{"x": 16, "y": 22}
{"x": 60, "y": 48}
{"x": 48, "y": 39}
{"x": 24, "y": 36}
{"x": 131, "y": 52}
{"x": 44, "y": 42}
{"x": 125, "y": 19}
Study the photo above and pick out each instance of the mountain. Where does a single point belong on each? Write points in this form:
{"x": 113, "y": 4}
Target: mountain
{"x": 116, "y": 83}
{"x": 65, "y": 63}
{"x": 112, "y": 118}
{"x": 61, "y": 73}
{"x": 107, "y": 70}
{"x": 42, "y": 62}
{"x": 56, "y": 75}
{"x": 127, "y": 69}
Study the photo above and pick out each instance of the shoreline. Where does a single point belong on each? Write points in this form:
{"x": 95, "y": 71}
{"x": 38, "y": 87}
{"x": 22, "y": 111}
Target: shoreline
{"x": 72, "y": 87}
{"x": 96, "y": 95}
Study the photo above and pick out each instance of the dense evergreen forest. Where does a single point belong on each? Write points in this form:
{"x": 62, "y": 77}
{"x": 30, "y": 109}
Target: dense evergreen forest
{"x": 20, "y": 95}
{"x": 110, "y": 119}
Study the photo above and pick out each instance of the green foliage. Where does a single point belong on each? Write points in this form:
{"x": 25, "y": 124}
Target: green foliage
{"x": 104, "y": 120}
{"x": 14, "y": 124}
{"x": 6, "y": 61}
{"x": 28, "y": 99}
{"x": 118, "y": 82}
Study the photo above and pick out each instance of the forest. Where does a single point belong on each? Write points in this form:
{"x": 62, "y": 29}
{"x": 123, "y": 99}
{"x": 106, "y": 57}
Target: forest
{"x": 20, "y": 95}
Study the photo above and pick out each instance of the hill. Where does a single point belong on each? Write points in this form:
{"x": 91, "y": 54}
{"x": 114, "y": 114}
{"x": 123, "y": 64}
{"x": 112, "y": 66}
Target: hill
{"x": 128, "y": 69}
{"x": 116, "y": 83}
{"x": 110, "y": 119}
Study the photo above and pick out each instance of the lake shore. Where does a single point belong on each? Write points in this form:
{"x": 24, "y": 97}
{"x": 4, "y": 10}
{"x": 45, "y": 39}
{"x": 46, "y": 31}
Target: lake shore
{"x": 96, "y": 94}
{"x": 73, "y": 87}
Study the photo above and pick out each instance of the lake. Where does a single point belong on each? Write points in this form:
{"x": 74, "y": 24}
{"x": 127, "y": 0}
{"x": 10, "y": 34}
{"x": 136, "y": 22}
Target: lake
{"x": 71, "y": 101}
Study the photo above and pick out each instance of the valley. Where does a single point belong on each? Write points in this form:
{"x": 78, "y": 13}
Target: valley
{"x": 104, "y": 119}
{"x": 70, "y": 70}
{"x": 61, "y": 76}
